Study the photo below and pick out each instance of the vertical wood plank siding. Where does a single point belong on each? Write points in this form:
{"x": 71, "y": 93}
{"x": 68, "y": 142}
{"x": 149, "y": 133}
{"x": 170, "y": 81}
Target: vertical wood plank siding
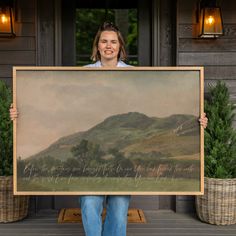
{"x": 45, "y": 33}
{"x": 167, "y": 33}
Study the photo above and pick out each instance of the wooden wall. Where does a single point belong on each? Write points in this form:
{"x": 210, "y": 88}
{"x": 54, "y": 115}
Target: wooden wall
{"x": 22, "y": 49}
{"x": 218, "y": 56}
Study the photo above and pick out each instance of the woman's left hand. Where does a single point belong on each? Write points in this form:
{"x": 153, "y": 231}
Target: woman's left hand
{"x": 203, "y": 120}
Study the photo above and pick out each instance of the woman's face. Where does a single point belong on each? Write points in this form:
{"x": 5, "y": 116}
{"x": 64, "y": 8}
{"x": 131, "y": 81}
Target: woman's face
{"x": 108, "y": 45}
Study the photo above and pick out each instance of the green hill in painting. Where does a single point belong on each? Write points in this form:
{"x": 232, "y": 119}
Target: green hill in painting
{"x": 175, "y": 135}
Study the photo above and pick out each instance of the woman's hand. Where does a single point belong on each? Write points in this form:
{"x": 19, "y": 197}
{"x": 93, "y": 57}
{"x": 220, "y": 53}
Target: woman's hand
{"x": 13, "y": 112}
{"x": 203, "y": 120}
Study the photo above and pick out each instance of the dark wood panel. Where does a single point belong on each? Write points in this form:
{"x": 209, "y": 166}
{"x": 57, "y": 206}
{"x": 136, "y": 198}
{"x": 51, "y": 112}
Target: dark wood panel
{"x": 18, "y": 43}
{"x": 185, "y": 204}
{"x": 167, "y": 33}
{"x": 66, "y": 202}
{"x": 190, "y": 31}
{"x": 220, "y": 72}
{"x": 144, "y": 37}
{"x": 68, "y": 33}
{"x": 186, "y": 6}
{"x": 228, "y": 5}
{"x": 5, "y": 71}
{"x": 45, "y": 33}
{"x": 25, "y": 29}
{"x": 25, "y": 15}
{"x": 44, "y": 202}
{"x": 200, "y": 58}
{"x": 187, "y": 11}
{"x": 167, "y": 203}
{"x": 26, "y": 3}
{"x": 17, "y": 57}
{"x": 32, "y": 205}
{"x": 207, "y": 45}
{"x": 25, "y": 11}
{"x": 143, "y": 202}
{"x": 228, "y": 8}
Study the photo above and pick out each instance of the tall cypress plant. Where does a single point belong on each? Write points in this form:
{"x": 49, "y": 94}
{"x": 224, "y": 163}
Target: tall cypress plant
{"x": 220, "y": 136}
{"x": 6, "y": 133}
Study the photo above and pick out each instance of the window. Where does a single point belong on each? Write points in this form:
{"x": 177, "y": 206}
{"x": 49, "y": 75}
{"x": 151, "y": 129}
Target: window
{"x": 88, "y": 21}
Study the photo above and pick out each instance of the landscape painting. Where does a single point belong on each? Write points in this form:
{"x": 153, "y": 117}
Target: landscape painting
{"x": 96, "y": 131}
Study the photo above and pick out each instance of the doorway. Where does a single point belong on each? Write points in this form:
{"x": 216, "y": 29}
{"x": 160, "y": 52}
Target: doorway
{"x": 80, "y": 21}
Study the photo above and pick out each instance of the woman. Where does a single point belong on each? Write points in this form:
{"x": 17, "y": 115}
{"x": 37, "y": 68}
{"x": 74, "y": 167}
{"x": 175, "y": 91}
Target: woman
{"x": 108, "y": 51}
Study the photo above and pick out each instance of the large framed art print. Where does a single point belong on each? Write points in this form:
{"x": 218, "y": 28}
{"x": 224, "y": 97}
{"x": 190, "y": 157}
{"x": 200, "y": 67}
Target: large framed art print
{"x": 131, "y": 130}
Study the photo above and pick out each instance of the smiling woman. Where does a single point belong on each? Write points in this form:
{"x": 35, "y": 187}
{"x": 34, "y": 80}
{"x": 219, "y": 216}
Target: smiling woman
{"x": 108, "y": 51}
{"x": 126, "y": 19}
{"x": 108, "y": 46}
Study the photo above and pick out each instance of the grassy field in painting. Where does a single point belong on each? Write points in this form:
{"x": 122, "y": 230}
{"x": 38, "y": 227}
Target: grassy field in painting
{"x": 96, "y": 184}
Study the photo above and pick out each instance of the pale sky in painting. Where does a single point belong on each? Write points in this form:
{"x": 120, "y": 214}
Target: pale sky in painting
{"x": 53, "y": 104}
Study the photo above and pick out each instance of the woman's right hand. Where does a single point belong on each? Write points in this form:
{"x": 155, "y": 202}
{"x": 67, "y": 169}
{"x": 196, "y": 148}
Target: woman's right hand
{"x": 13, "y": 112}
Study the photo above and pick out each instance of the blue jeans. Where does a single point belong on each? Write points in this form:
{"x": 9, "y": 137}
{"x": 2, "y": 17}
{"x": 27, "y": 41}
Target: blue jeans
{"x": 116, "y": 216}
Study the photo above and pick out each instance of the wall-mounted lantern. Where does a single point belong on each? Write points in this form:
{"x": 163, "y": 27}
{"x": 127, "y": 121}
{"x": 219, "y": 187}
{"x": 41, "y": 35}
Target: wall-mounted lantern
{"x": 6, "y": 19}
{"x": 209, "y": 19}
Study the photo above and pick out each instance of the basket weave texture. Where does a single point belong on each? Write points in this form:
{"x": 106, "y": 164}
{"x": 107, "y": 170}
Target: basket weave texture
{"x": 218, "y": 204}
{"x": 12, "y": 208}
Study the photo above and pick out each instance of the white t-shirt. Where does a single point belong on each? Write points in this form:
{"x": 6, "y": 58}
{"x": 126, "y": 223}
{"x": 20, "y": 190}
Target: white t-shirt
{"x": 99, "y": 64}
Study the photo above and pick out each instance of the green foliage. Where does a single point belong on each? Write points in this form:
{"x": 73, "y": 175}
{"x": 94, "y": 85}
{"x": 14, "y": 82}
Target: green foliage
{"x": 81, "y": 151}
{"x": 89, "y": 157}
{"x": 6, "y": 143}
{"x": 220, "y": 136}
{"x": 87, "y": 24}
{"x": 86, "y": 151}
{"x": 121, "y": 165}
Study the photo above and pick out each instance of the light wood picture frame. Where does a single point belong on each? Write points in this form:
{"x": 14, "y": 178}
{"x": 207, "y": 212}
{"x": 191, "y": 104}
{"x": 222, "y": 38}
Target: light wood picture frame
{"x": 118, "y": 131}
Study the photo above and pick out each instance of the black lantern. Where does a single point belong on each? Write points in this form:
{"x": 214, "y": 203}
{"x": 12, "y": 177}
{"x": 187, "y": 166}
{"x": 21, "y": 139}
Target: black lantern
{"x": 6, "y": 19}
{"x": 210, "y": 19}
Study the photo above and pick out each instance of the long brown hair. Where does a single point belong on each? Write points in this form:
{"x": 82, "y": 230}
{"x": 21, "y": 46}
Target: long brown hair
{"x": 108, "y": 26}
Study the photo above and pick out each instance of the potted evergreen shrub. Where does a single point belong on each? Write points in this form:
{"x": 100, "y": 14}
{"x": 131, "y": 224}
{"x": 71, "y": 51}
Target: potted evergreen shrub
{"x": 218, "y": 204}
{"x": 12, "y": 208}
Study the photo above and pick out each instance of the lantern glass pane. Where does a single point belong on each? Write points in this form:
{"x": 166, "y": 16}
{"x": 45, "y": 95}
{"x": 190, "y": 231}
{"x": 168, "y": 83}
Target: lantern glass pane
{"x": 5, "y": 20}
{"x": 212, "y": 21}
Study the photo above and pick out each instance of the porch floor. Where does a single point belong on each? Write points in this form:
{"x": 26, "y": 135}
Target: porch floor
{"x": 159, "y": 223}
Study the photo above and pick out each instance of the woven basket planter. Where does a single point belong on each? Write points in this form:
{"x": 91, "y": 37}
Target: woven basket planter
{"x": 12, "y": 208}
{"x": 218, "y": 204}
